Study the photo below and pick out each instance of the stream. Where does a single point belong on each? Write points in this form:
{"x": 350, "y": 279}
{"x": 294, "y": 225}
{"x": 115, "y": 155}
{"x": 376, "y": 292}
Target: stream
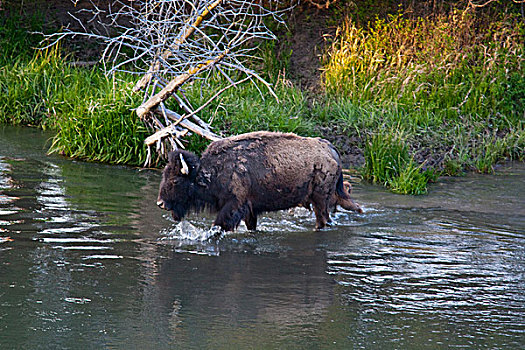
{"x": 88, "y": 261}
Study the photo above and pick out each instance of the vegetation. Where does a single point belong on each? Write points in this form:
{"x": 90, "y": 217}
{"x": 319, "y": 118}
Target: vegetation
{"x": 389, "y": 163}
{"x": 91, "y": 114}
{"x": 422, "y": 95}
{"x": 456, "y": 81}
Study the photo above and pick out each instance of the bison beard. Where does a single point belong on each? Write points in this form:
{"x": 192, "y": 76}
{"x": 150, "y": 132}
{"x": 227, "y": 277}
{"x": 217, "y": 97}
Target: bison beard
{"x": 242, "y": 176}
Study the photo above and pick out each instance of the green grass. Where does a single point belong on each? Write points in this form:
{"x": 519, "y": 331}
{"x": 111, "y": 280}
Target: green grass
{"x": 103, "y": 128}
{"x": 388, "y": 162}
{"x": 243, "y": 109}
{"x": 92, "y": 116}
{"x": 453, "y": 83}
{"x": 16, "y": 38}
{"x": 436, "y": 71}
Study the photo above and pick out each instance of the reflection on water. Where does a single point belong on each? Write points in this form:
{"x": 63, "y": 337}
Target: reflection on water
{"x": 88, "y": 261}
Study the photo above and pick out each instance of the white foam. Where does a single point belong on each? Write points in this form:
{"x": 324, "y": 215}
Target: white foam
{"x": 184, "y": 230}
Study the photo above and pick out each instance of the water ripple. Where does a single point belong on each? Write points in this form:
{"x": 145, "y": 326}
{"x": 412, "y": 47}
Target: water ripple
{"x": 460, "y": 276}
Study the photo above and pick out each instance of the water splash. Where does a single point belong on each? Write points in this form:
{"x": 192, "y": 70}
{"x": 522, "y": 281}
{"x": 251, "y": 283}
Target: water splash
{"x": 186, "y": 231}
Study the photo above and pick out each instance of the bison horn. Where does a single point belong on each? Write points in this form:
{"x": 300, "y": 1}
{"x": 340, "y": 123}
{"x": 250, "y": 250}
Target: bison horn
{"x": 185, "y": 170}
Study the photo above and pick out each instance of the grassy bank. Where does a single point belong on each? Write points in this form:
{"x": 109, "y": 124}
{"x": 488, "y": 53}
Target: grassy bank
{"x": 416, "y": 97}
{"x": 91, "y": 114}
{"x": 450, "y": 85}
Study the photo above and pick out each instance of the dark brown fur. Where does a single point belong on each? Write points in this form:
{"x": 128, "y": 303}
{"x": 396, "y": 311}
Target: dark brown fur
{"x": 242, "y": 176}
{"x": 345, "y": 201}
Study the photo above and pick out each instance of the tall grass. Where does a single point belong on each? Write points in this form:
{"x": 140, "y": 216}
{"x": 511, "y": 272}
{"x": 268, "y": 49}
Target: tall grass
{"x": 17, "y": 38}
{"x": 388, "y": 163}
{"x": 454, "y": 82}
{"x": 103, "y": 127}
{"x": 249, "y": 107}
{"x": 437, "y": 70}
{"x": 91, "y": 114}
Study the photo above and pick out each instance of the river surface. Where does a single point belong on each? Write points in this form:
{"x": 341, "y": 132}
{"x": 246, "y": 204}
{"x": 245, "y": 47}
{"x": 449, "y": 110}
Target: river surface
{"x": 87, "y": 261}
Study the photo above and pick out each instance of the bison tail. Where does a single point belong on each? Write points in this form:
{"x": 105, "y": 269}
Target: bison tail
{"x": 340, "y": 188}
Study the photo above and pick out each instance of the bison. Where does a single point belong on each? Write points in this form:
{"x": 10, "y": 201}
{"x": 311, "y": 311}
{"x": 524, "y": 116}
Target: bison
{"x": 243, "y": 176}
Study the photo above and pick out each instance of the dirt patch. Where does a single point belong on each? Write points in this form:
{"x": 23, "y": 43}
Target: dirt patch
{"x": 309, "y": 30}
{"x": 55, "y": 14}
{"x": 59, "y": 14}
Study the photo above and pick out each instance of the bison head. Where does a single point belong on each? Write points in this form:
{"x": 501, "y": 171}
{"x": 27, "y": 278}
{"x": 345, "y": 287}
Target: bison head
{"x": 176, "y": 192}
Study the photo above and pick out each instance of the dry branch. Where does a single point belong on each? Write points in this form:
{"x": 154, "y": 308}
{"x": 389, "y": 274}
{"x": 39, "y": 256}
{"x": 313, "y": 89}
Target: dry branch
{"x": 484, "y": 3}
{"x": 322, "y": 6}
{"x": 145, "y": 80}
{"x": 191, "y": 126}
{"x": 175, "y": 84}
{"x": 168, "y": 43}
{"x": 171, "y": 129}
{"x": 161, "y": 134}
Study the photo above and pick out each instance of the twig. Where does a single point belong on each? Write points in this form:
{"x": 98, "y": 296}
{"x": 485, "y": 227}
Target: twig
{"x": 211, "y": 99}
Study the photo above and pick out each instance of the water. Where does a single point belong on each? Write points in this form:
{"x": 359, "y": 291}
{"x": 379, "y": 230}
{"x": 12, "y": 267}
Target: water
{"x": 88, "y": 261}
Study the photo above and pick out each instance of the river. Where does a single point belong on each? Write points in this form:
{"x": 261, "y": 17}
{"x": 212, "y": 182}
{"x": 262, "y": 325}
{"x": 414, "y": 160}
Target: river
{"x": 87, "y": 261}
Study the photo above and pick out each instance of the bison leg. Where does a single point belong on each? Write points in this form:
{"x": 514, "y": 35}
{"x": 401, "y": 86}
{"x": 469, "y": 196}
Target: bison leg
{"x": 231, "y": 215}
{"x": 251, "y": 221}
{"x": 321, "y": 214}
{"x": 343, "y": 197}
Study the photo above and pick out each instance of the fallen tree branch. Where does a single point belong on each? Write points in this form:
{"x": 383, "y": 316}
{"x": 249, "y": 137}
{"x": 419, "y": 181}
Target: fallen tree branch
{"x": 145, "y": 80}
{"x": 189, "y": 109}
{"x": 173, "y": 85}
{"x": 321, "y": 6}
{"x": 191, "y": 126}
{"x": 167, "y": 131}
{"x": 170, "y": 43}
{"x": 486, "y": 2}
{"x": 172, "y": 130}
{"x": 192, "y": 114}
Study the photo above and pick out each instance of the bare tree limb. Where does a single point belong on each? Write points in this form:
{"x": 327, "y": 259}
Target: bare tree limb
{"x": 486, "y": 2}
{"x": 192, "y": 114}
{"x": 168, "y": 43}
{"x": 173, "y": 85}
{"x": 192, "y": 126}
{"x": 189, "y": 31}
{"x": 167, "y": 131}
{"x": 321, "y": 6}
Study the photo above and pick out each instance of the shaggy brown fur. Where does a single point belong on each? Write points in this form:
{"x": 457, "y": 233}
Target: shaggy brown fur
{"x": 242, "y": 176}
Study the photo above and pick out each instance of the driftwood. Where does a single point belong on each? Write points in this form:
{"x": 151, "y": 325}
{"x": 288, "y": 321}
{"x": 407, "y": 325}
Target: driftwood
{"x": 172, "y": 43}
{"x": 180, "y": 120}
{"x": 175, "y": 84}
{"x": 173, "y": 129}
